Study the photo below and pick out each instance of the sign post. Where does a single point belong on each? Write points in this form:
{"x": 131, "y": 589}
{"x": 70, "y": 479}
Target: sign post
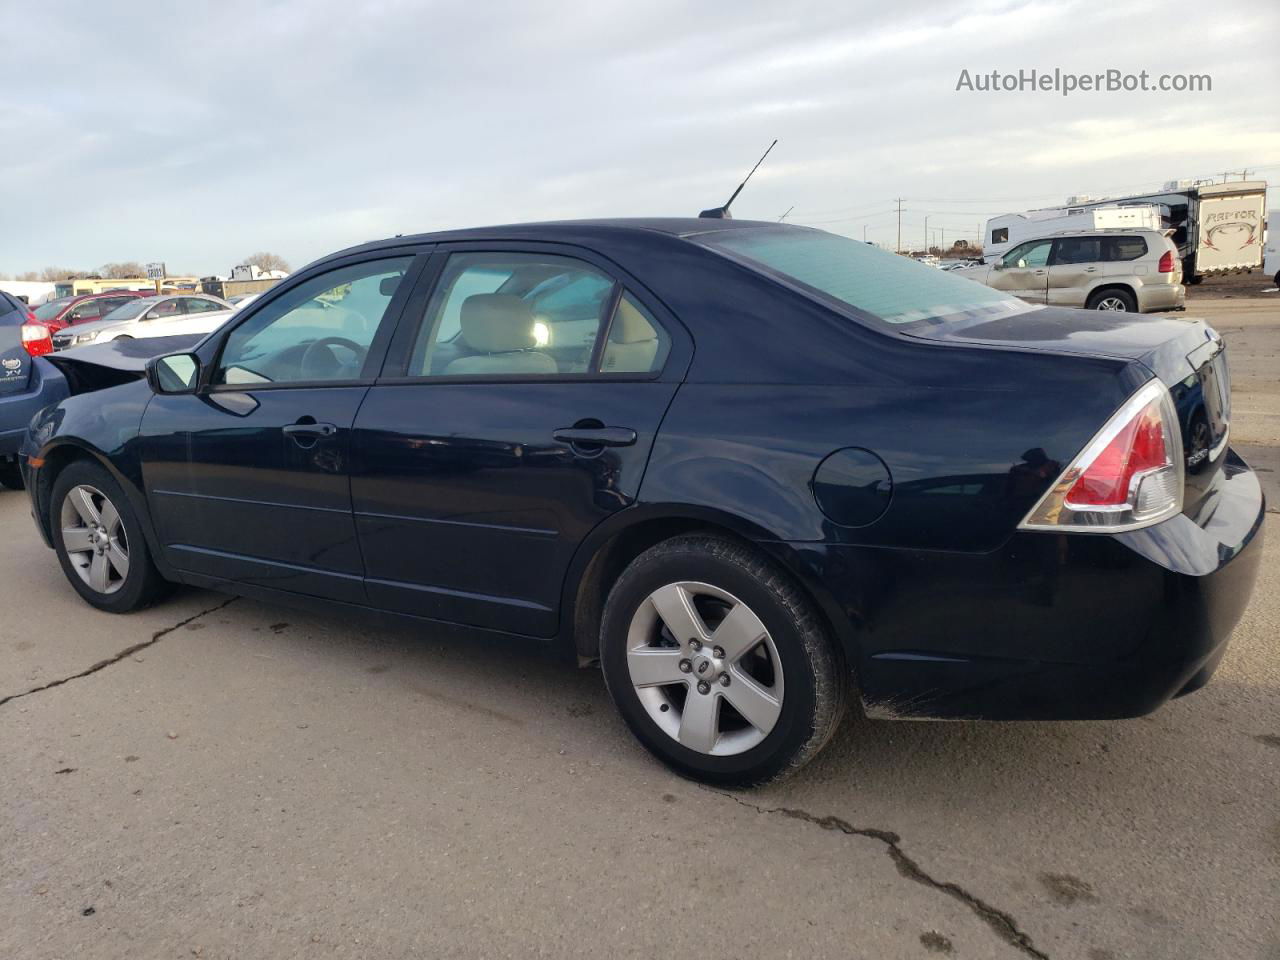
{"x": 155, "y": 271}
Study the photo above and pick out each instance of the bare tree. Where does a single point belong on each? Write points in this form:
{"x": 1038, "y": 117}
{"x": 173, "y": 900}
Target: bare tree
{"x": 123, "y": 271}
{"x": 268, "y": 261}
{"x": 30, "y": 276}
{"x": 50, "y": 274}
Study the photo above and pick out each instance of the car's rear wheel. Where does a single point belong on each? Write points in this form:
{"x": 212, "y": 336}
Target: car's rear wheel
{"x": 718, "y": 663}
{"x": 99, "y": 541}
{"x": 1115, "y": 300}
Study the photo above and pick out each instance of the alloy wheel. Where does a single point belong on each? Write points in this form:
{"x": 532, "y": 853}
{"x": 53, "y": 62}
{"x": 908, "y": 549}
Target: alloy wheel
{"x": 95, "y": 539}
{"x": 1111, "y": 303}
{"x": 705, "y": 668}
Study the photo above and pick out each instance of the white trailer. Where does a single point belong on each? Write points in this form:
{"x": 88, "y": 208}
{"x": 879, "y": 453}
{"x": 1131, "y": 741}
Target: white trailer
{"x": 29, "y": 291}
{"x": 1008, "y": 229}
{"x": 1271, "y": 257}
{"x": 1217, "y": 227}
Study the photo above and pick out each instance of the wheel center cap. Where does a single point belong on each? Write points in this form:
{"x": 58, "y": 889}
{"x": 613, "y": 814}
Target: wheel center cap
{"x": 704, "y": 668}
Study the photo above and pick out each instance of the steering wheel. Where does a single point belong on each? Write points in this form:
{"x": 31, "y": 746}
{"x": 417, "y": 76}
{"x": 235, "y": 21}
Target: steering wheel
{"x": 311, "y": 354}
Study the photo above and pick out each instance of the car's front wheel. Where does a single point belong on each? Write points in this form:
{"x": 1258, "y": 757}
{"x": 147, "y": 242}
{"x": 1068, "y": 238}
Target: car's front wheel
{"x": 99, "y": 541}
{"x": 718, "y": 663}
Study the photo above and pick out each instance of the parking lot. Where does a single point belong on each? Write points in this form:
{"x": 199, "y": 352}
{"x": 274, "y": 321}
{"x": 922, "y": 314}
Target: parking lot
{"x": 216, "y": 777}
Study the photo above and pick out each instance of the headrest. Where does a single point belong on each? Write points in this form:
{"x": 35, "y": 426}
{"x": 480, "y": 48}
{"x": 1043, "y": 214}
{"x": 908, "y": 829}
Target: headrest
{"x": 630, "y": 325}
{"x": 496, "y": 322}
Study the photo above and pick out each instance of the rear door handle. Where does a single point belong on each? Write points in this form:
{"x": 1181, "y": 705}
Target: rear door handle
{"x": 310, "y": 429}
{"x": 596, "y": 436}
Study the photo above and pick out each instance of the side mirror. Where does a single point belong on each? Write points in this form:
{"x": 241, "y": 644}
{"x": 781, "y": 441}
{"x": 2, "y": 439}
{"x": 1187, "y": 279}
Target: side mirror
{"x": 174, "y": 374}
{"x": 998, "y": 264}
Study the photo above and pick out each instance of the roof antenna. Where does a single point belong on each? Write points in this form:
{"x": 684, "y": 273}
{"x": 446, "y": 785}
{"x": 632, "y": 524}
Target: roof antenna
{"x": 722, "y": 213}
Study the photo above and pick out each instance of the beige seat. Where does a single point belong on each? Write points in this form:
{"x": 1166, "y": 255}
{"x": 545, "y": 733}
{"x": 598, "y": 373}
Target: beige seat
{"x": 499, "y": 327}
{"x": 633, "y": 343}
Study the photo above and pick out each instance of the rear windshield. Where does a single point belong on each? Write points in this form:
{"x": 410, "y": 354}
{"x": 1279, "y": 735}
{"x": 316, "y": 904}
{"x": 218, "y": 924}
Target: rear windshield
{"x": 47, "y": 311}
{"x": 880, "y": 285}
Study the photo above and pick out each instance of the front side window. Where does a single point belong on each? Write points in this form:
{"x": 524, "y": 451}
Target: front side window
{"x": 319, "y": 330}
{"x": 1033, "y": 254}
{"x": 880, "y": 285}
{"x": 503, "y": 314}
{"x": 164, "y": 309}
{"x": 89, "y": 310}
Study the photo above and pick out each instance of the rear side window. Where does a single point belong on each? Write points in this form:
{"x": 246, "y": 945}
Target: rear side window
{"x": 876, "y": 284}
{"x": 1125, "y": 248}
{"x": 199, "y": 305}
{"x": 512, "y": 314}
{"x": 1078, "y": 250}
{"x": 1000, "y": 235}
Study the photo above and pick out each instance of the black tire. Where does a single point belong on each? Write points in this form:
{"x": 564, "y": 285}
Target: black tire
{"x": 1276, "y": 279}
{"x": 1110, "y": 295}
{"x": 11, "y": 476}
{"x": 142, "y": 585}
{"x": 816, "y": 683}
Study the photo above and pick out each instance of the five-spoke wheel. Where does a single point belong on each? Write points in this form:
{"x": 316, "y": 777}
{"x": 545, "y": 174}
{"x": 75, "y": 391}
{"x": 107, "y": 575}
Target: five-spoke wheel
{"x": 99, "y": 540}
{"x": 718, "y": 661}
{"x": 705, "y": 668}
{"x": 95, "y": 539}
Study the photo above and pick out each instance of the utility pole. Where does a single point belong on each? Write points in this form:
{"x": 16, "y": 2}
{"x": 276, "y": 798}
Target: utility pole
{"x": 926, "y": 234}
{"x": 864, "y": 233}
{"x": 898, "y": 201}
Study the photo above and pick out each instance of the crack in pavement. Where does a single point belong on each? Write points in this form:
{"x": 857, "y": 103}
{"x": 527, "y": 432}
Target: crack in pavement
{"x": 1001, "y": 923}
{"x": 127, "y": 651}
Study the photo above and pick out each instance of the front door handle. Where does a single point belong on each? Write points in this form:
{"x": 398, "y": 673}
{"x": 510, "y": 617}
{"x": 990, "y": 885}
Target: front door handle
{"x": 296, "y": 430}
{"x": 596, "y": 436}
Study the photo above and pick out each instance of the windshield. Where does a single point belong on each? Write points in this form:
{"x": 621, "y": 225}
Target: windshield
{"x": 134, "y": 308}
{"x": 47, "y": 311}
{"x": 885, "y": 286}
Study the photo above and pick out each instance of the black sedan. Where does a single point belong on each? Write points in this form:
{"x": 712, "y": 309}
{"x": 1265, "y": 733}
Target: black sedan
{"x": 752, "y": 470}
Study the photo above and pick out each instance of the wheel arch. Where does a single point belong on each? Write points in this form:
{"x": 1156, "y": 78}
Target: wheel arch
{"x": 65, "y": 451}
{"x": 611, "y": 546}
{"x": 1111, "y": 284}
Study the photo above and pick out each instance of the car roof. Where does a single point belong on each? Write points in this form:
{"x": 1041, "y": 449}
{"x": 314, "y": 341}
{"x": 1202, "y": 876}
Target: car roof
{"x": 564, "y": 230}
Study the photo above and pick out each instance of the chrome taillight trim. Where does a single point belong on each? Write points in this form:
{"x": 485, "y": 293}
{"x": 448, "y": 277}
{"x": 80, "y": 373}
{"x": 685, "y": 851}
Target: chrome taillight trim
{"x": 1151, "y": 390}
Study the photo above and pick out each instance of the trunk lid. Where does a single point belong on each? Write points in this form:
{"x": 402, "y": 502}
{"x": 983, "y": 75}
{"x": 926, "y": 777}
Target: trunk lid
{"x": 1186, "y": 354}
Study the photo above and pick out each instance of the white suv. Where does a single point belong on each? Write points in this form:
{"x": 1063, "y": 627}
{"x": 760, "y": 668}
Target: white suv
{"x": 1134, "y": 270}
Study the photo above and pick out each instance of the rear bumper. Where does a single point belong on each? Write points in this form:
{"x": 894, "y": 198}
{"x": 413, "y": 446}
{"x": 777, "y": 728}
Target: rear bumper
{"x": 1051, "y": 626}
{"x": 1153, "y": 297}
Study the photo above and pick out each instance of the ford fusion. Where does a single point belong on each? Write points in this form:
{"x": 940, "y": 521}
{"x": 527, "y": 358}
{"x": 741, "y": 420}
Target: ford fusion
{"x": 756, "y": 472}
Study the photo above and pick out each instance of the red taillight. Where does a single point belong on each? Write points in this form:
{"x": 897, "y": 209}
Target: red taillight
{"x": 36, "y": 339}
{"x": 1166, "y": 262}
{"x": 1139, "y": 446}
{"x": 1129, "y": 475}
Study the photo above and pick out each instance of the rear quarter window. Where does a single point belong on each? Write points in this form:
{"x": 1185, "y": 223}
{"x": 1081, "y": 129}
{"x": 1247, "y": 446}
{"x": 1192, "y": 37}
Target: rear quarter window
{"x": 1125, "y": 248}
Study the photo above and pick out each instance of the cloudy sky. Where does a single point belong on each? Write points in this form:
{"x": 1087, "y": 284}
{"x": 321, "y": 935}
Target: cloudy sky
{"x": 197, "y": 133}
